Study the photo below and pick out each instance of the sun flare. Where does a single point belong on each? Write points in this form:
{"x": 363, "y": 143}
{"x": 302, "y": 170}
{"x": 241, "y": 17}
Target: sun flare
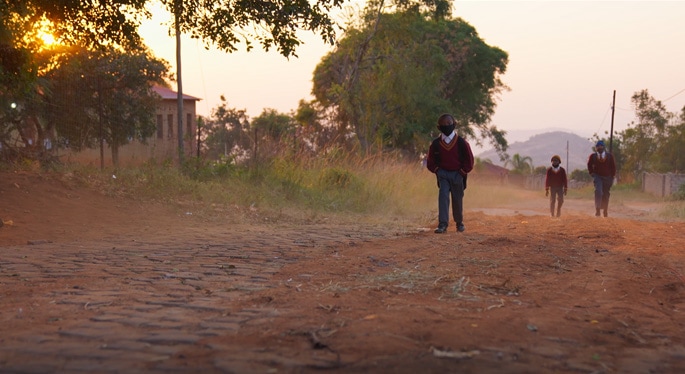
{"x": 47, "y": 38}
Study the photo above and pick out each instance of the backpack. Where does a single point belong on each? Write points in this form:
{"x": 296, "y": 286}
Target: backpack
{"x": 461, "y": 146}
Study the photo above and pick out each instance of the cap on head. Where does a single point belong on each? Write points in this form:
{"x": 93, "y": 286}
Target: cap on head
{"x": 600, "y": 143}
{"x": 555, "y": 157}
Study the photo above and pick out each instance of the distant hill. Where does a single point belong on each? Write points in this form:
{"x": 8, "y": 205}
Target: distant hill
{"x": 541, "y": 147}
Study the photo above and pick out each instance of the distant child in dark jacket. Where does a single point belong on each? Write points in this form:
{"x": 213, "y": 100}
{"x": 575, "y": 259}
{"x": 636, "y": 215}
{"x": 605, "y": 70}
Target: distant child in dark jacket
{"x": 556, "y": 182}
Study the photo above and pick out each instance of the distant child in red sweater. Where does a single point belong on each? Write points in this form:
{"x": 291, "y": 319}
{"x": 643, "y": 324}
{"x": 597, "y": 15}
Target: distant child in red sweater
{"x": 557, "y": 182}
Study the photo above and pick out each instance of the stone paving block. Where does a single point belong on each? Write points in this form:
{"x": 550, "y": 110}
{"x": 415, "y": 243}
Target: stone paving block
{"x": 144, "y": 308}
{"x": 155, "y": 350}
{"x": 134, "y": 321}
{"x": 142, "y": 358}
{"x": 140, "y": 281}
{"x": 106, "y": 294}
{"x": 197, "y": 285}
{"x": 28, "y": 365}
{"x": 38, "y": 339}
{"x": 93, "y": 366}
{"x": 182, "y": 275}
{"x": 187, "y": 306}
{"x": 19, "y": 351}
{"x": 73, "y": 350}
{"x": 171, "y": 338}
{"x": 172, "y": 314}
{"x": 176, "y": 367}
{"x": 221, "y": 326}
{"x": 166, "y": 325}
{"x": 110, "y": 317}
{"x": 83, "y": 332}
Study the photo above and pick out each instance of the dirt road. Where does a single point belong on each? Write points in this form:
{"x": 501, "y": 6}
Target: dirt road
{"x": 103, "y": 285}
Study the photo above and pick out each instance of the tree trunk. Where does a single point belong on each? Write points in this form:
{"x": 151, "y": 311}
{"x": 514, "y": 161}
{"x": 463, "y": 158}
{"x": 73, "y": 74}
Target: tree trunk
{"x": 177, "y": 11}
{"x": 354, "y": 113}
{"x": 115, "y": 155}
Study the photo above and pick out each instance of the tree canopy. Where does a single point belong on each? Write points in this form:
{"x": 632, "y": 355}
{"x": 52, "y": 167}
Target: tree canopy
{"x": 108, "y": 32}
{"x": 228, "y": 23}
{"x": 655, "y": 141}
{"x": 226, "y": 133}
{"x": 223, "y": 23}
{"x": 389, "y": 79}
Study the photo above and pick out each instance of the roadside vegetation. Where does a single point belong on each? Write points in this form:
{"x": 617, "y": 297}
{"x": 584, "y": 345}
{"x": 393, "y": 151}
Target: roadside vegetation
{"x": 378, "y": 188}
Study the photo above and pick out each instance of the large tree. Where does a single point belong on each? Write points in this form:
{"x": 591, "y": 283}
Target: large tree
{"x": 226, "y": 133}
{"x": 391, "y": 77}
{"x": 104, "y": 96}
{"x": 274, "y": 133}
{"x": 655, "y": 140}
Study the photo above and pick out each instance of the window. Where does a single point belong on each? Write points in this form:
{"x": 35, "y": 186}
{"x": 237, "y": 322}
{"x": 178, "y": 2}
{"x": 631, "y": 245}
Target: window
{"x": 189, "y": 126}
{"x": 170, "y": 126}
{"x": 160, "y": 127}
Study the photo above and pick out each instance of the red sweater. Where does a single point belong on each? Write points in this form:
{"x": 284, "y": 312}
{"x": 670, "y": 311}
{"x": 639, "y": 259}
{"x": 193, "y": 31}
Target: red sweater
{"x": 605, "y": 168}
{"x": 556, "y": 178}
{"x": 449, "y": 157}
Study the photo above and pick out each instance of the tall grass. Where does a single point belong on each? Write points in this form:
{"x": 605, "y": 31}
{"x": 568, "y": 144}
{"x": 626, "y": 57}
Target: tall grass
{"x": 377, "y": 187}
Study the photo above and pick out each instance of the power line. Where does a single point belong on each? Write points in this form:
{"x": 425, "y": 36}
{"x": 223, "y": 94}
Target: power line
{"x": 678, "y": 93}
{"x": 603, "y": 119}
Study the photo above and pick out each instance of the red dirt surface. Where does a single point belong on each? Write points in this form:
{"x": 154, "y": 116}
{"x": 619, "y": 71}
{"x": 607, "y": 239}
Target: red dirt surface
{"x": 518, "y": 292}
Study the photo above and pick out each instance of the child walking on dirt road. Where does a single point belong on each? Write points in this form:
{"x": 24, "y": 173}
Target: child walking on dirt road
{"x": 602, "y": 168}
{"x": 451, "y": 159}
{"x": 556, "y": 182}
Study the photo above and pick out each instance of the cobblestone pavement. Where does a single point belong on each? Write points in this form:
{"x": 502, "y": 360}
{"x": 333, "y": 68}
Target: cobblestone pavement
{"x": 131, "y": 305}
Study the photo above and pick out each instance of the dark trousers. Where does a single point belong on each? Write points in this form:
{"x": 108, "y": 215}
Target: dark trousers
{"x": 602, "y": 188}
{"x": 451, "y": 184}
{"x": 556, "y": 194}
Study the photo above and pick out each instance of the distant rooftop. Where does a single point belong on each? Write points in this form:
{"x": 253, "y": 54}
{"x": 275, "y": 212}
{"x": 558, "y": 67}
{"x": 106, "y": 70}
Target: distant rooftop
{"x": 167, "y": 93}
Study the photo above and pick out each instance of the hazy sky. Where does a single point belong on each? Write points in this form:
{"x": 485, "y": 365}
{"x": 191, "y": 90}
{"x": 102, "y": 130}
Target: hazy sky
{"x": 566, "y": 58}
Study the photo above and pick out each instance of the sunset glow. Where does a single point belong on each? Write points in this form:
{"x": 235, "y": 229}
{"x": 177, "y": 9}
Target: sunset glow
{"x": 47, "y": 38}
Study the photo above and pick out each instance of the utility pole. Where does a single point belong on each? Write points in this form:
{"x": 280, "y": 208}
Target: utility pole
{"x": 567, "y": 155}
{"x": 611, "y": 134}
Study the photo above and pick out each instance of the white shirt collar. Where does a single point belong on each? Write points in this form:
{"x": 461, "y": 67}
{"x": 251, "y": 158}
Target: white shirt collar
{"x": 448, "y": 139}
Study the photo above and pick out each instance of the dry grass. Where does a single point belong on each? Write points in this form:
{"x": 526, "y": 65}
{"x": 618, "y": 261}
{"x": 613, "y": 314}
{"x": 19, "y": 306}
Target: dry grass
{"x": 375, "y": 189}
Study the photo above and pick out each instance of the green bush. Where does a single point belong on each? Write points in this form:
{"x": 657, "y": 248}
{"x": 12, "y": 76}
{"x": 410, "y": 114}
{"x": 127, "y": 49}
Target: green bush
{"x": 581, "y": 175}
